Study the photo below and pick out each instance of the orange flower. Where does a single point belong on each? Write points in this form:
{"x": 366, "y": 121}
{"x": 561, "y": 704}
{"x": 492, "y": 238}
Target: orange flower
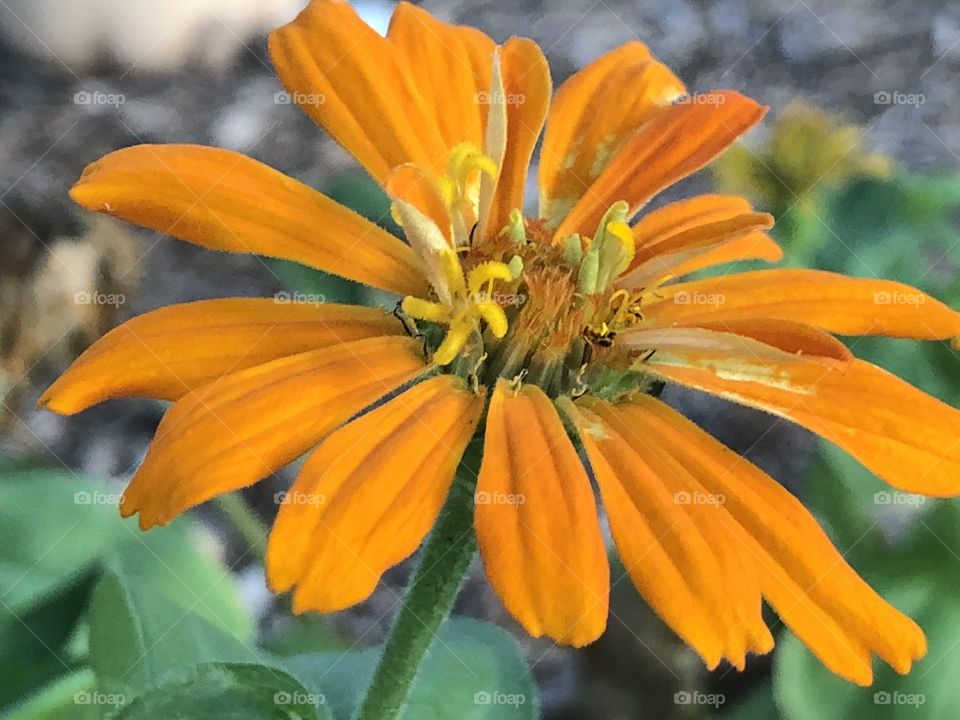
{"x": 574, "y": 310}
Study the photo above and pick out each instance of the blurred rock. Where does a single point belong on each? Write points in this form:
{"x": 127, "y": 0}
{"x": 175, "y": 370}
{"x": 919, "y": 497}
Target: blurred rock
{"x": 140, "y": 34}
{"x": 946, "y": 35}
{"x": 57, "y": 295}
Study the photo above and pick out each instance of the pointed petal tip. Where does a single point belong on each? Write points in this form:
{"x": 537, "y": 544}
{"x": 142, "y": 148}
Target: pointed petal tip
{"x": 577, "y": 636}
{"x": 862, "y": 678}
{"x": 763, "y": 644}
{"x": 56, "y": 398}
{"x": 711, "y": 660}
{"x": 43, "y": 402}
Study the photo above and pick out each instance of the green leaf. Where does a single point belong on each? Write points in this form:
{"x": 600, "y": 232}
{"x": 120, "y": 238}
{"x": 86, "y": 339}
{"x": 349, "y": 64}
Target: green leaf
{"x": 361, "y": 193}
{"x": 34, "y": 645}
{"x": 56, "y": 528}
{"x": 65, "y": 698}
{"x": 758, "y": 704}
{"x": 180, "y": 561}
{"x": 139, "y": 637}
{"x": 473, "y": 671}
{"x": 340, "y": 676}
{"x": 302, "y": 634}
{"x": 229, "y": 692}
{"x": 53, "y": 536}
{"x": 314, "y": 286}
{"x": 52, "y": 533}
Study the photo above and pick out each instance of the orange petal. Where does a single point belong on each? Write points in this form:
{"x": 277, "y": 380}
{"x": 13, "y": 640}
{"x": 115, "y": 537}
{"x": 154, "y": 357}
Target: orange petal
{"x": 675, "y": 143}
{"x": 806, "y": 580}
{"x": 668, "y": 548}
{"x": 902, "y": 434}
{"x": 426, "y": 224}
{"x": 415, "y": 186}
{"x": 450, "y": 69}
{"x": 169, "y": 352}
{"x": 537, "y": 523}
{"x": 789, "y": 336}
{"x": 755, "y": 246}
{"x": 653, "y": 261}
{"x": 359, "y": 86}
{"x": 526, "y": 86}
{"x": 242, "y": 427}
{"x": 836, "y": 303}
{"x": 594, "y": 113}
{"x": 223, "y": 200}
{"x": 727, "y": 353}
{"x": 407, "y": 98}
{"x": 369, "y": 494}
{"x": 678, "y": 217}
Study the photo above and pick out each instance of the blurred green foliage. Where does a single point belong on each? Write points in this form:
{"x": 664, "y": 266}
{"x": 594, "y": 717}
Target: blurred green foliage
{"x": 100, "y": 620}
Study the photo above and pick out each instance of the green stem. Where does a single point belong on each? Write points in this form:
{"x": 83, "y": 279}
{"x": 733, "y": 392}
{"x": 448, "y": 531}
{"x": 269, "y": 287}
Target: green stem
{"x": 245, "y": 522}
{"x": 430, "y": 596}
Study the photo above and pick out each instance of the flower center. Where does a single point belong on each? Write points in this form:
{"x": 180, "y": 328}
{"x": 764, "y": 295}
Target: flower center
{"x": 524, "y": 305}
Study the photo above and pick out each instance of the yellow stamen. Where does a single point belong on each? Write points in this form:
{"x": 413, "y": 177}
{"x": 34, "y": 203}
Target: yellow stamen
{"x": 467, "y": 158}
{"x": 460, "y": 187}
{"x": 453, "y": 341}
{"x": 470, "y": 302}
{"x": 627, "y": 247}
{"x": 487, "y": 273}
{"x": 623, "y": 298}
{"x": 425, "y": 310}
{"x": 453, "y": 272}
{"x": 495, "y": 316}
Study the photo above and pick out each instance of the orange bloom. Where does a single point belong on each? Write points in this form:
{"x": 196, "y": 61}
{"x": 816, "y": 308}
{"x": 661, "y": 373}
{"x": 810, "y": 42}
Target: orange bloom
{"x": 545, "y": 328}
